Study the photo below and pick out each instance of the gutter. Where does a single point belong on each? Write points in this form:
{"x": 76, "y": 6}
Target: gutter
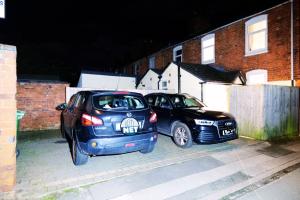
{"x": 292, "y": 43}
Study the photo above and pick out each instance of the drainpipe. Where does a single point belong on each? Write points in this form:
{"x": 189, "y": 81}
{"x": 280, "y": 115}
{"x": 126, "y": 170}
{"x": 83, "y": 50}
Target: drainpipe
{"x": 179, "y": 79}
{"x": 292, "y": 43}
{"x": 159, "y": 79}
{"x": 201, "y": 83}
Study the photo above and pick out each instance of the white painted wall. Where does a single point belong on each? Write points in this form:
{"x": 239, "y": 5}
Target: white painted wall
{"x": 216, "y": 96}
{"x": 190, "y": 84}
{"x": 106, "y": 82}
{"x": 150, "y": 81}
{"x": 73, "y": 90}
{"x": 80, "y": 81}
{"x": 171, "y": 76}
{"x": 281, "y": 83}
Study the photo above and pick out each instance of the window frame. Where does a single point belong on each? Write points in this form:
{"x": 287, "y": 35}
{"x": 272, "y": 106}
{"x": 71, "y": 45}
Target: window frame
{"x": 136, "y": 68}
{"x": 175, "y": 49}
{"x": 162, "y": 85}
{"x": 151, "y": 62}
{"x": 250, "y": 22}
{"x": 208, "y": 37}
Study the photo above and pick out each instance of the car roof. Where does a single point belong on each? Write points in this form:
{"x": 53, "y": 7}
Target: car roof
{"x": 167, "y": 94}
{"x": 107, "y": 92}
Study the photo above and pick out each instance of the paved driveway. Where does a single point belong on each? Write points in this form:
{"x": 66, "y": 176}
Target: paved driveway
{"x": 45, "y": 166}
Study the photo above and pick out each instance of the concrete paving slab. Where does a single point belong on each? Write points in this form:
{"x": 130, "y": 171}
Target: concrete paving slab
{"x": 285, "y": 187}
{"x": 45, "y": 161}
{"x": 45, "y": 169}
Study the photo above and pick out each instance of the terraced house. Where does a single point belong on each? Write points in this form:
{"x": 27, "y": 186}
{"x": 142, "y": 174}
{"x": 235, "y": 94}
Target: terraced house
{"x": 263, "y": 46}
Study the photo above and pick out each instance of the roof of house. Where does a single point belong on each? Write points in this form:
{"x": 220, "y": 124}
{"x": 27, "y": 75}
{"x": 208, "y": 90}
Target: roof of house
{"x": 211, "y": 73}
{"x": 157, "y": 71}
{"x": 105, "y": 73}
{"x": 198, "y": 36}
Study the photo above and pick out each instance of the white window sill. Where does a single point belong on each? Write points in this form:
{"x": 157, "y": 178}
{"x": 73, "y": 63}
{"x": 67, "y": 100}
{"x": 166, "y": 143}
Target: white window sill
{"x": 208, "y": 62}
{"x": 253, "y": 53}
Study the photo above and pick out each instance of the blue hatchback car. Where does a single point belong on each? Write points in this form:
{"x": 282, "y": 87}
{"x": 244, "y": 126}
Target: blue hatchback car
{"x": 107, "y": 122}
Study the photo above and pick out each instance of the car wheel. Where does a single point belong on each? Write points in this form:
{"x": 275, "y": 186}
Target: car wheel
{"x": 182, "y": 135}
{"x": 148, "y": 149}
{"x": 78, "y": 157}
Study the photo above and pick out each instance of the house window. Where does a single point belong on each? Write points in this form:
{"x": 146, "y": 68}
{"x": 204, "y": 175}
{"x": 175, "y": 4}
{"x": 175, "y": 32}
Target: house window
{"x": 152, "y": 62}
{"x": 136, "y": 69}
{"x": 256, "y": 35}
{"x": 164, "y": 85}
{"x": 258, "y": 76}
{"x": 177, "y": 54}
{"x": 208, "y": 49}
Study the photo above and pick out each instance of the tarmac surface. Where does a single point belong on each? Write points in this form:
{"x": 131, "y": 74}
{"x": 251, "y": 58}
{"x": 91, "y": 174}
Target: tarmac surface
{"x": 238, "y": 169}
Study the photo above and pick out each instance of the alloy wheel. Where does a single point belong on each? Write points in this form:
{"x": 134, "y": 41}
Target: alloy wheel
{"x": 181, "y": 136}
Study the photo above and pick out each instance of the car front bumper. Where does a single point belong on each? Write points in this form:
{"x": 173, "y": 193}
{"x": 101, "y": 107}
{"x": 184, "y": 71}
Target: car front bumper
{"x": 118, "y": 145}
{"x": 211, "y": 134}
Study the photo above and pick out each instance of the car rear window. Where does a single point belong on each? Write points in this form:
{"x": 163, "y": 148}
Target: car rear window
{"x": 118, "y": 102}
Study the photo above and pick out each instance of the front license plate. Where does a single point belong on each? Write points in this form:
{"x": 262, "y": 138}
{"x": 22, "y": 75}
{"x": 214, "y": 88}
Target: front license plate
{"x": 228, "y": 132}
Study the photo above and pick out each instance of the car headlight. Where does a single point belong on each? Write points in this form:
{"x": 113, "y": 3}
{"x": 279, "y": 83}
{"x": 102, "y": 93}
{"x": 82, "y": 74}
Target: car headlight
{"x": 203, "y": 122}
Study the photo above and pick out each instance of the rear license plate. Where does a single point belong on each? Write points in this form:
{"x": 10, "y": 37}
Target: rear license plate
{"x": 228, "y": 132}
{"x": 129, "y": 126}
{"x": 130, "y": 145}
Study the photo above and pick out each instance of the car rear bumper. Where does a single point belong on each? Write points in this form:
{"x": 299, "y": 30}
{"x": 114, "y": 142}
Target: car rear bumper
{"x": 118, "y": 145}
{"x": 209, "y": 135}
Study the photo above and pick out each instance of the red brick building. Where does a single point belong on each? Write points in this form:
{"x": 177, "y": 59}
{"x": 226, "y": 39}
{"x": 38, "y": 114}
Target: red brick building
{"x": 264, "y": 46}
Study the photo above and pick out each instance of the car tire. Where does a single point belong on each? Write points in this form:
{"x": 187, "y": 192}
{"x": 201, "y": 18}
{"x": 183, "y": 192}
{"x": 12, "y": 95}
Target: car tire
{"x": 147, "y": 150}
{"x": 182, "y": 135}
{"x": 78, "y": 157}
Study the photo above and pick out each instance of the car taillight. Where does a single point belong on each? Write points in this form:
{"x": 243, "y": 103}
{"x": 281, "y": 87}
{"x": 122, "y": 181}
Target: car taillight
{"x": 88, "y": 120}
{"x": 153, "y": 117}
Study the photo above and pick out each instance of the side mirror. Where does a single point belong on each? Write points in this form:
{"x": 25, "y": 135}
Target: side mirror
{"x": 61, "y": 107}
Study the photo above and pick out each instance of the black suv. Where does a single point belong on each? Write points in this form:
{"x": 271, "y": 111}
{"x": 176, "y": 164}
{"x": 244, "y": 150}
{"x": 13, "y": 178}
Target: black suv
{"x": 184, "y": 118}
{"x": 107, "y": 122}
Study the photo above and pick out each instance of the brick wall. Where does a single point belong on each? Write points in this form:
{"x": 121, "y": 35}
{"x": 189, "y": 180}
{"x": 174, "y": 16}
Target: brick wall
{"x": 163, "y": 58}
{"x": 191, "y": 51}
{"x": 7, "y": 117}
{"x": 230, "y": 46}
{"x": 38, "y": 100}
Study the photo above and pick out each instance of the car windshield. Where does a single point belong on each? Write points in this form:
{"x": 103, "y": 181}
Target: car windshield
{"x": 180, "y": 101}
{"x": 118, "y": 102}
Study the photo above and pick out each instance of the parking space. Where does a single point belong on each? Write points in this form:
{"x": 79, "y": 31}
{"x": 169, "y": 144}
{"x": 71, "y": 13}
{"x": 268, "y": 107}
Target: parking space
{"x": 45, "y": 165}
{"x": 45, "y": 162}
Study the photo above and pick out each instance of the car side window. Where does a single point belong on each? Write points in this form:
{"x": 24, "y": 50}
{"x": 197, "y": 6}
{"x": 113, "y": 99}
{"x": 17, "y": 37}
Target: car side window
{"x": 162, "y": 102}
{"x": 72, "y": 100}
{"x": 80, "y": 101}
{"x": 150, "y": 100}
{"x": 157, "y": 101}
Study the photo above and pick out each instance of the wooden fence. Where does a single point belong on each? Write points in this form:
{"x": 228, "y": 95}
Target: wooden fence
{"x": 265, "y": 112}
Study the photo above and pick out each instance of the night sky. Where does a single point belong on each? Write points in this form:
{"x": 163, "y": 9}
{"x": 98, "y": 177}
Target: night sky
{"x": 63, "y": 37}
